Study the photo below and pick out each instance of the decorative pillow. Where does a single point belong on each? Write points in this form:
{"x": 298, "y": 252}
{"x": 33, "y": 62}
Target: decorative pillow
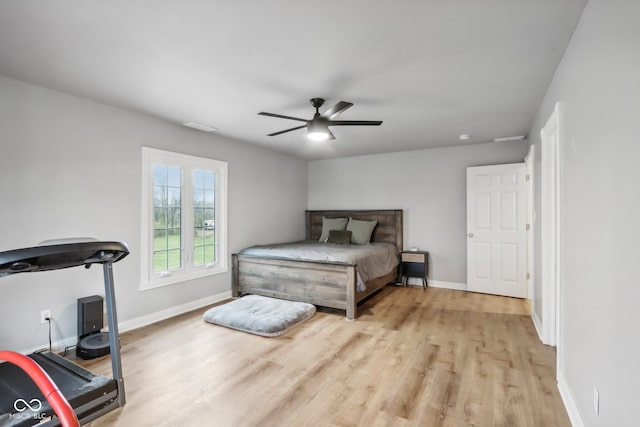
{"x": 329, "y": 224}
{"x": 361, "y": 230}
{"x": 339, "y": 237}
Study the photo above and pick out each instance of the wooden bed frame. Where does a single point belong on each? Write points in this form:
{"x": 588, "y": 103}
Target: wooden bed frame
{"x": 327, "y": 284}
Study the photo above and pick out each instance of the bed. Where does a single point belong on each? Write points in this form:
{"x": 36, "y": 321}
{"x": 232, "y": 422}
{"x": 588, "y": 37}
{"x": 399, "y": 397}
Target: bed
{"x": 324, "y": 283}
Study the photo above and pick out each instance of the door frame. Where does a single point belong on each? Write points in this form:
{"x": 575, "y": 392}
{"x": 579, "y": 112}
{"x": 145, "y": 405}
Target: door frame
{"x": 550, "y": 227}
{"x": 530, "y": 161}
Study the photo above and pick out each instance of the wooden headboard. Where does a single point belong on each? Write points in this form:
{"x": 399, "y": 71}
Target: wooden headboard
{"x": 388, "y": 229}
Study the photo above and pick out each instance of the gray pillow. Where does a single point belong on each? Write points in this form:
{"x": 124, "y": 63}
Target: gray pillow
{"x": 339, "y": 237}
{"x": 329, "y": 224}
{"x": 361, "y": 231}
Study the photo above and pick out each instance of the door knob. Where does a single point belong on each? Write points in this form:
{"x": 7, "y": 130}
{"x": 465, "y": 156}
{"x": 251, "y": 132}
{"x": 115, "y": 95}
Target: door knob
{"x": 470, "y": 234}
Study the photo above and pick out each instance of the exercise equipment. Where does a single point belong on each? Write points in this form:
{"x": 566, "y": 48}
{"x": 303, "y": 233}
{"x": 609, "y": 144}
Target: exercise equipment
{"x": 24, "y": 391}
{"x": 60, "y": 405}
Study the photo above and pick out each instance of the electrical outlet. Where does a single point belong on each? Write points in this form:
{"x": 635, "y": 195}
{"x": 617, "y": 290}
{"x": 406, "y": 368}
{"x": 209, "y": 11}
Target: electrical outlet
{"x": 596, "y": 401}
{"x": 44, "y": 314}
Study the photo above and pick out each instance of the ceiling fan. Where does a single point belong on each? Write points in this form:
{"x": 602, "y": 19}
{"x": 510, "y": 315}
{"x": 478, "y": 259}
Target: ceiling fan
{"x": 318, "y": 126}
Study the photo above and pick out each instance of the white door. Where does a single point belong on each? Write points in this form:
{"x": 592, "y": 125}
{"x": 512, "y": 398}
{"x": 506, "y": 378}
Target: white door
{"x": 496, "y": 235}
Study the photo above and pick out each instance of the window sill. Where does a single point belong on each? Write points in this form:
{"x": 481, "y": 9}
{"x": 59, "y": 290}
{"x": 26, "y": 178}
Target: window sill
{"x": 180, "y": 277}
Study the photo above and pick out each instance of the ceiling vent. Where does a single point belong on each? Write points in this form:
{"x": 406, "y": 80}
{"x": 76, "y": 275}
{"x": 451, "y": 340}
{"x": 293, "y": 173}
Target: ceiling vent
{"x": 199, "y": 126}
{"x": 510, "y": 138}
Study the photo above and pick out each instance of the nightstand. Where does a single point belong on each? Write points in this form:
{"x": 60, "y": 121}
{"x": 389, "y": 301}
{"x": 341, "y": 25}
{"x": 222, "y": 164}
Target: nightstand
{"x": 414, "y": 264}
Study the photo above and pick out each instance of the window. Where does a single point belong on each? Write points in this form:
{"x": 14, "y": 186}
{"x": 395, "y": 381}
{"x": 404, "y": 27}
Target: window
{"x": 184, "y": 217}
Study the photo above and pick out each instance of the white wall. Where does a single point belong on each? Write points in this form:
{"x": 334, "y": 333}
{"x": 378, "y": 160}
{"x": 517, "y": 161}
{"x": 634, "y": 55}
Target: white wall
{"x": 429, "y": 185}
{"x": 598, "y": 86}
{"x": 72, "y": 167}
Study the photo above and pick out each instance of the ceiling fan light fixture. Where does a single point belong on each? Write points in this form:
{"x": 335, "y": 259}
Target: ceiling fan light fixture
{"x": 318, "y": 126}
{"x": 317, "y": 131}
{"x": 318, "y": 136}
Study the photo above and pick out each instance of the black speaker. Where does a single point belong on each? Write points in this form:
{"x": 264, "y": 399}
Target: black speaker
{"x": 91, "y": 342}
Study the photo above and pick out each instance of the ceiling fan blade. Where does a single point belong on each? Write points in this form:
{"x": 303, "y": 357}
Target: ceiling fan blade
{"x": 287, "y": 130}
{"x": 355, "y": 123}
{"x": 336, "y": 109}
{"x": 331, "y": 135}
{"x": 262, "y": 113}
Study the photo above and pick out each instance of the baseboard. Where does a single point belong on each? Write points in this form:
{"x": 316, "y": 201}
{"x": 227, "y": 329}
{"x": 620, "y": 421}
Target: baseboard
{"x": 438, "y": 284}
{"x": 567, "y": 399}
{"x": 538, "y": 324}
{"x": 57, "y": 346}
{"x": 447, "y": 285}
{"x": 148, "y": 319}
{"x": 138, "y": 322}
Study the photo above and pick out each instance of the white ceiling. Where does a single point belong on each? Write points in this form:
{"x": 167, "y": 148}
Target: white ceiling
{"x": 430, "y": 69}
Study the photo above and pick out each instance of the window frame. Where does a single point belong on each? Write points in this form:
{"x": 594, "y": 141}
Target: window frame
{"x": 187, "y": 163}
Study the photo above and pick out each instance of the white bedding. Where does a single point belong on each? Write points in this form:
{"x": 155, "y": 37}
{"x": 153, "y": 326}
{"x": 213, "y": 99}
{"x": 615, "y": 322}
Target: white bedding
{"x": 372, "y": 261}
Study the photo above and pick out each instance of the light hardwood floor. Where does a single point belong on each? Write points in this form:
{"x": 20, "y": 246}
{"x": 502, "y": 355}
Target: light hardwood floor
{"x": 412, "y": 358}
